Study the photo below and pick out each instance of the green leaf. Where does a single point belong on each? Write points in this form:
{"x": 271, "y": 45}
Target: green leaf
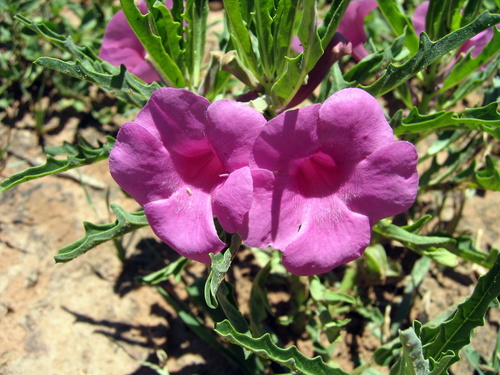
{"x": 263, "y": 22}
{"x": 198, "y": 327}
{"x": 240, "y": 35}
{"x": 115, "y": 80}
{"x": 283, "y": 22}
{"x": 489, "y": 178}
{"x": 332, "y": 20}
{"x": 399, "y": 23}
{"x": 469, "y": 64}
{"x": 442, "y": 249}
{"x": 474, "y": 118}
{"x": 259, "y": 304}
{"x": 412, "y": 362}
{"x": 428, "y": 53}
{"x": 169, "y": 30}
{"x": 63, "y": 42}
{"x": 96, "y": 234}
{"x": 455, "y": 332}
{"x": 196, "y": 16}
{"x": 174, "y": 268}
{"x": 77, "y": 156}
{"x": 264, "y": 347}
{"x": 431, "y": 246}
{"x": 295, "y": 75}
{"x": 161, "y": 60}
{"x": 220, "y": 265}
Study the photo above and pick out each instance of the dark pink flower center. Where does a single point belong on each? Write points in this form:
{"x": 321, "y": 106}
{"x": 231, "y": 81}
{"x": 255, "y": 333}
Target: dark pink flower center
{"x": 317, "y": 176}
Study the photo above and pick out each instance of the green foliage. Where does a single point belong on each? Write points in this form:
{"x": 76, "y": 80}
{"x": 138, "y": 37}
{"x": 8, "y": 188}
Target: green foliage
{"x": 264, "y": 347}
{"x": 96, "y": 234}
{"x": 76, "y": 156}
{"x": 90, "y": 68}
{"x": 428, "y": 53}
{"x": 455, "y": 332}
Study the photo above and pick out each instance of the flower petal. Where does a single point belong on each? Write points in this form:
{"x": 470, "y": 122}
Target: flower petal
{"x": 385, "y": 183}
{"x": 185, "y": 222}
{"x": 352, "y": 25}
{"x": 120, "y": 45}
{"x": 141, "y": 165}
{"x": 330, "y": 235}
{"x": 232, "y": 199}
{"x": 232, "y": 130}
{"x": 419, "y": 17}
{"x": 287, "y": 139}
{"x": 352, "y": 126}
{"x": 177, "y": 117}
{"x": 256, "y": 228}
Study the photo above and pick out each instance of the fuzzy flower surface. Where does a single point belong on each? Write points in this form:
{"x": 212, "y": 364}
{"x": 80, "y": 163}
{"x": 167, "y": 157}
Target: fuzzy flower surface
{"x": 352, "y": 25}
{"x": 322, "y": 176}
{"x": 185, "y": 161}
{"x": 120, "y": 45}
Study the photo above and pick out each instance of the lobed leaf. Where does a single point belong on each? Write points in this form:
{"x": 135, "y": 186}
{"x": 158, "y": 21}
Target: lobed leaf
{"x": 77, "y": 156}
{"x": 489, "y": 178}
{"x": 455, "y": 332}
{"x": 442, "y": 249}
{"x": 428, "y": 53}
{"x": 161, "y": 60}
{"x": 264, "y": 347}
{"x": 399, "y": 23}
{"x": 96, "y": 234}
{"x": 475, "y": 118}
{"x": 412, "y": 362}
{"x": 115, "y": 80}
{"x": 218, "y": 269}
{"x": 468, "y": 64}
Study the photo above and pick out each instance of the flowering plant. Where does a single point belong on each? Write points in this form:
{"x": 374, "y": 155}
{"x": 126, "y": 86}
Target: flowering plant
{"x": 290, "y": 147}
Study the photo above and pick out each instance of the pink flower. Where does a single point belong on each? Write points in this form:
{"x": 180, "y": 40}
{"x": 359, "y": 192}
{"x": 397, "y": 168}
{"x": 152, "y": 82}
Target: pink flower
{"x": 322, "y": 176}
{"x": 185, "y": 160}
{"x": 120, "y": 45}
{"x": 352, "y": 25}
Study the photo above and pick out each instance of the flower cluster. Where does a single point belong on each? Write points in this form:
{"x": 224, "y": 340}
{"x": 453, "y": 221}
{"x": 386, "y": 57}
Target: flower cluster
{"x": 310, "y": 182}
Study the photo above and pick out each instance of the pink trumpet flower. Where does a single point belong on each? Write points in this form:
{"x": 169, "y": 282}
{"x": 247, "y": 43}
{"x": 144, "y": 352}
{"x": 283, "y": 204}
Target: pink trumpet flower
{"x": 185, "y": 160}
{"x": 323, "y": 175}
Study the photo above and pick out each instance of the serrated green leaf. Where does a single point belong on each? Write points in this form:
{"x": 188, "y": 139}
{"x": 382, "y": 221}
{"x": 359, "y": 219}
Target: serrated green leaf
{"x": 412, "y": 362}
{"x": 489, "y": 178}
{"x": 475, "y": 118}
{"x": 115, "y": 80}
{"x": 174, "y": 268}
{"x": 169, "y": 30}
{"x": 428, "y": 53}
{"x": 469, "y": 64}
{"x": 161, "y": 60}
{"x": 196, "y": 16}
{"x": 399, "y": 23}
{"x": 77, "y": 156}
{"x": 218, "y": 269}
{"x": 240, "y": 35}
{"x": 332, "y": 20}
{"x": 264, "y": 347}
{"x": 263, "y": 22}
{"x": 283, "y": 22}
{"x": 96, "y": 234}
{"x": 455, "y": 332}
